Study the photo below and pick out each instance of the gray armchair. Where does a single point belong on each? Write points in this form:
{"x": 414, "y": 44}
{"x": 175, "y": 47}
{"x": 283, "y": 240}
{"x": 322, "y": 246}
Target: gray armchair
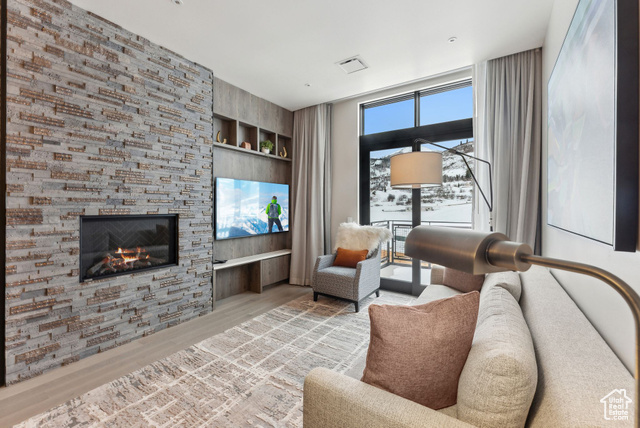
{"x": 345, "y": 283}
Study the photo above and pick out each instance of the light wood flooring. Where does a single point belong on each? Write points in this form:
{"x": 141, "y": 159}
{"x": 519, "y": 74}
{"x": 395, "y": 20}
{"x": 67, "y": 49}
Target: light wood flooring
{"x": 29, "y": 398}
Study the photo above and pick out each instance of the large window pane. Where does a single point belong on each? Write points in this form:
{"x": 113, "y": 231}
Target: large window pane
{"x": 448, "y": 205}
{"x": 446, "y": 106}
{"x": 389, "y": 117}
{"x": 451, "y": 204}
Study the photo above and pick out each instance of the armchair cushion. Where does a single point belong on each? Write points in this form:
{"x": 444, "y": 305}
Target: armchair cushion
{"x": 340, "y": 271}
{"x": 349, "y": 258}
{"x": 418, "y": 352}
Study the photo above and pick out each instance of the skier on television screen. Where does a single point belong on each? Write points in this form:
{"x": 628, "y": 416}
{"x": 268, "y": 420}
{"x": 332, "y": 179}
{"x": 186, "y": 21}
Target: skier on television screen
{"x": 273, "y": 213}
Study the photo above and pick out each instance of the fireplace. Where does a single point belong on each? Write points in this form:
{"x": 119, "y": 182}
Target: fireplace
{"x": 124, "y": 244}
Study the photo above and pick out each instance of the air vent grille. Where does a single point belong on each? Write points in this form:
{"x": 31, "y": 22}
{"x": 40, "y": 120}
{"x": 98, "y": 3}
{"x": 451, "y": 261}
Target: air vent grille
{"x": 351, "y": 65}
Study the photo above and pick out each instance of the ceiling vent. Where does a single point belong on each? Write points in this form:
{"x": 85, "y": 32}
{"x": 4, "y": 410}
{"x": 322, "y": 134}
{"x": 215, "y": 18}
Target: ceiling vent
{"x": 352, "y": 65}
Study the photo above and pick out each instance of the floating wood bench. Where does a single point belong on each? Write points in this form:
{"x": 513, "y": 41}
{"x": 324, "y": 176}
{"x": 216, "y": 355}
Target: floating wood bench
{"x": 264, "y": 269}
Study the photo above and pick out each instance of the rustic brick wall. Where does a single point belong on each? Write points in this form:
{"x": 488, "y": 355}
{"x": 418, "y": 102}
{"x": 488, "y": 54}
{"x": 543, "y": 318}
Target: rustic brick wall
{"x": 99, "y": 121}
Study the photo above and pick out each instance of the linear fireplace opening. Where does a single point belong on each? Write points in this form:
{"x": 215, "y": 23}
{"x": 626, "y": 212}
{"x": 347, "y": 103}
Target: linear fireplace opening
{"x": 122, "y": 244}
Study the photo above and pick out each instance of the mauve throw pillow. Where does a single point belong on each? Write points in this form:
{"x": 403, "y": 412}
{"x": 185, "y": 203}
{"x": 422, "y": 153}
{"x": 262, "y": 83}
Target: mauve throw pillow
{"x": 418, "y": 352}
{"x": 462, "y": 281}
{"x": 349, "y": 258}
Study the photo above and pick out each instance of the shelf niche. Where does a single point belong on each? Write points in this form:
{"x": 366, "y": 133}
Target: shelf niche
{"x": 248, "y": 133}
{"x": 284, "y": 142}
{"x": 228, "y": 129}
{"x": 271, "y": 136}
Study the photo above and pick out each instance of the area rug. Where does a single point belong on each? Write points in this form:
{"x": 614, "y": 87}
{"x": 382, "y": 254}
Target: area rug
{"x": 249, "y": 376}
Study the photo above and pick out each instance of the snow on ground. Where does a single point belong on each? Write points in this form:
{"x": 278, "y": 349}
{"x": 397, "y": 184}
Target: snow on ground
{"x": 443, "y": 213}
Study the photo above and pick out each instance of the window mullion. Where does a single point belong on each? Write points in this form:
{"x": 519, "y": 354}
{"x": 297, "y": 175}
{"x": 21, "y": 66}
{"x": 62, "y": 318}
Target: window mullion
{"x": 416, "y": 109}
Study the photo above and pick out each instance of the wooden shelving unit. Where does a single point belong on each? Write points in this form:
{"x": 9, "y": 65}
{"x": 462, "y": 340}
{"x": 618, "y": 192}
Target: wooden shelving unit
{"x": 284, "y": 142}
{"x": 268, "y": 135}
{"x": 254, "y": 261}
{"x": 237, "y": 132}
{"x": 228, "y": 129}
{"x": 264, "y": 269}
{"x": 250, "y": 152}
{"x": 248, "y": 134}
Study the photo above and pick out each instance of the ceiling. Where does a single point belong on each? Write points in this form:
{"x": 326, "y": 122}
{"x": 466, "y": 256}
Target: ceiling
{"x": 286, "y": 50}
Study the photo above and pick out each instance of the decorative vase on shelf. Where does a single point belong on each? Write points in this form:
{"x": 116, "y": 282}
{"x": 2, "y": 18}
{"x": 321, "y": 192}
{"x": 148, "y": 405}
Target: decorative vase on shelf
{"x": 266, "y": 146}
{"x": 283, "y": 153}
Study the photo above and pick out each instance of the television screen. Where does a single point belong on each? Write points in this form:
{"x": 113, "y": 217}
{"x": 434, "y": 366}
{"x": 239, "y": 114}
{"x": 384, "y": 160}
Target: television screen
{"x": 248, "y": 208}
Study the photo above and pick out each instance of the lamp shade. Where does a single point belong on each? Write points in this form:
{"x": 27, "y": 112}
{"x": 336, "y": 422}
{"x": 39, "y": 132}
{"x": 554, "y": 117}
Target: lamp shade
{"x": 416, "y": 170}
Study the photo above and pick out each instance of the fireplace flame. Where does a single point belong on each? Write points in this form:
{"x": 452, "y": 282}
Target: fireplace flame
{"x": 130, "y": 259}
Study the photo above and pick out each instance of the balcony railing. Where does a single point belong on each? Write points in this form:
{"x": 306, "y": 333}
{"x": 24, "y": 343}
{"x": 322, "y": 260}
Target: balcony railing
{"x": 393, "y": 251}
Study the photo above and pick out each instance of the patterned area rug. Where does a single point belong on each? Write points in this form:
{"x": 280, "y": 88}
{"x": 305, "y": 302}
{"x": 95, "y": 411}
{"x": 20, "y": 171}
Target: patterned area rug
{"x": 249, "y": 376}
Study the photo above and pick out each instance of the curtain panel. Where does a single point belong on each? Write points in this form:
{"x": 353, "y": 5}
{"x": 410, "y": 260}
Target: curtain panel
{"x": 311, "y": 226}
{"x": 509, "y": 135}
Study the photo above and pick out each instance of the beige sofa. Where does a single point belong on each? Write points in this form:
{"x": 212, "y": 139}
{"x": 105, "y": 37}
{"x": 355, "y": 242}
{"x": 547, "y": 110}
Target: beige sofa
{"x": 539, "y": 363}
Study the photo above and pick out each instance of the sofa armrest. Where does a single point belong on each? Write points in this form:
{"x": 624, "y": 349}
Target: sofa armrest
{"x": 437, "y": 274}
{"x": 335, "y": 400}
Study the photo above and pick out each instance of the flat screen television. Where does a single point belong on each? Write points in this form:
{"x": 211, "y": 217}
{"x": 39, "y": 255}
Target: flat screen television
{"x": 249, "y": 208}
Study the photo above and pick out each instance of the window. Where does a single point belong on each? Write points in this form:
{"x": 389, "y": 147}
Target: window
{"x": 446, "y": 106}
{"x": 441, "y": 115}
{"x": 389, "y": 115}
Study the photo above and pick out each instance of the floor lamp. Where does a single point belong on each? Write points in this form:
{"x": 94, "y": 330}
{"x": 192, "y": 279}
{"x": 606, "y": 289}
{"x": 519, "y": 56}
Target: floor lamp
{"x": 424, "y": 169}
{"x": 479, "y": 253}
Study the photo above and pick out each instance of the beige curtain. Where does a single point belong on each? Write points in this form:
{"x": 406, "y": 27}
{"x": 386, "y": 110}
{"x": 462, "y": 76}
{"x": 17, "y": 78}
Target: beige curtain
{"x": 510, "y": 139}
{"x": 311, "y": 227}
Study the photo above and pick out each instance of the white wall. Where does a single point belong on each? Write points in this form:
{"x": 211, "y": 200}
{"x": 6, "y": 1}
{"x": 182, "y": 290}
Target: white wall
{"x": 345, "y": 144}
{"x": 604, "y": 307}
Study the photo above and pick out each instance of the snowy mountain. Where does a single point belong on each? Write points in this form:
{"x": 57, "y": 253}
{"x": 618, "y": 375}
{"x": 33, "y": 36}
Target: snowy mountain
{"x": 236, "y": 226}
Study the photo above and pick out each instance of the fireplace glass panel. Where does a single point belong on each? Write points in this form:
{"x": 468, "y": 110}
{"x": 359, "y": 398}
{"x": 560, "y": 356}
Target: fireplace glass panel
{"x": 116, "y": 245}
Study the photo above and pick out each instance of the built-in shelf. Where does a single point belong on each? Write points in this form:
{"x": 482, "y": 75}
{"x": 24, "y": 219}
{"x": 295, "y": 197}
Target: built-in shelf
{"x": 248, "y": 134}
{"x": 271, "y": 136}
{"x": 284, "y": 142}
{"x": 235, "y": 132}
{"x": 264, "y": 269}
{"x": 250, "y": 259}
{"x": 250, "y": 152}
{"x": 227, "y": 129}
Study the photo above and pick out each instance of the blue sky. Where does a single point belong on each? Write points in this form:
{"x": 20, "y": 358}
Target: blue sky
{"x": 436, "y": 108}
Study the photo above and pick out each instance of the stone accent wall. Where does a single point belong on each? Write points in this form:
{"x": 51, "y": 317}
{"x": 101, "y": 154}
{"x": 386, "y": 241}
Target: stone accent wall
{"x": 100, "y": 121}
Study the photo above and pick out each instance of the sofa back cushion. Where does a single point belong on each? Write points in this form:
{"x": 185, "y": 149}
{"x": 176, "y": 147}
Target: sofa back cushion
{"x": 499, "y": 379}
{"x": 577, "y": 368}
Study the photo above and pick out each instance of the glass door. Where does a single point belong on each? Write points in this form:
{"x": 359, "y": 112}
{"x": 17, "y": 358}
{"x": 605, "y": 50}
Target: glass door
{"x": 391, "y": 126}
{"x": 392, "y": 209}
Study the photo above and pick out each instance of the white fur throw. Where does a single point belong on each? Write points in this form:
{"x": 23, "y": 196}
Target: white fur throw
{"x": 352, "y": 236}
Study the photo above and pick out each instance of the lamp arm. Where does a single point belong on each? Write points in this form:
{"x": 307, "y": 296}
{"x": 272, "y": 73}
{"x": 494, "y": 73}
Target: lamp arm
{"x": 463, "y": 155}
{"x": 624, "y": 289}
